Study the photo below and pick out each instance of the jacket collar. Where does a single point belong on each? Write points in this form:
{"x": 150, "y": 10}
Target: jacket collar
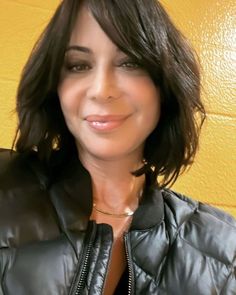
{"x": 71, "y": 194}
{"x": 150, "y": 211}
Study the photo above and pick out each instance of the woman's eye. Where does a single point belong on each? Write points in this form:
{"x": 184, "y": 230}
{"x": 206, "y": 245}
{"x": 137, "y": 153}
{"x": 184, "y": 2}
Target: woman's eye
{"x": 130, "y": 65}
{"x": 77, "y": 68}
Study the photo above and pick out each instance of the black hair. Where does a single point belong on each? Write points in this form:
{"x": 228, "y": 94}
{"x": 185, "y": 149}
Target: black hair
{"x": 143, "y": 30}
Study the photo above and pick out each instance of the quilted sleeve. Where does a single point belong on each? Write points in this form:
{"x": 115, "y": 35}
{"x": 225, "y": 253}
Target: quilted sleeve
{"x": 4, "y": 259}
{"x": 230, "y": 286}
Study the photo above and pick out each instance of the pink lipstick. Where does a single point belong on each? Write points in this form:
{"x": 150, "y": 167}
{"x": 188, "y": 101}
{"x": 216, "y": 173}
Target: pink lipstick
{"x": 105, "y": 123}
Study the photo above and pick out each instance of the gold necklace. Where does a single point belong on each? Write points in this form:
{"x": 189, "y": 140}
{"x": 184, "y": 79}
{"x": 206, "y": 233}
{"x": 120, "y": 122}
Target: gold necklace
{"x": 118, "y": 215}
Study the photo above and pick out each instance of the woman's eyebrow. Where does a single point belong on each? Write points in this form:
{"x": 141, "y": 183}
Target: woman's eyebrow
{"x": 79, "y": 48}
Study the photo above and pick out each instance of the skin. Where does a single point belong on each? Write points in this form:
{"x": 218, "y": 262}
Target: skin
{"x": 110, "y": 105}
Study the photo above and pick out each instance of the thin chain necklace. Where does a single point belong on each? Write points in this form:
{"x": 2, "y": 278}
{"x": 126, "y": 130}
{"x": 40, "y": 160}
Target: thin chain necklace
{"x": 118, "y": 215}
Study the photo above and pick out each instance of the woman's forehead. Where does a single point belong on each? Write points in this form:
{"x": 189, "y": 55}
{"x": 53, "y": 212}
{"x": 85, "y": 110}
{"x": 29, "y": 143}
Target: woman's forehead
{"x": 87, "y": 33}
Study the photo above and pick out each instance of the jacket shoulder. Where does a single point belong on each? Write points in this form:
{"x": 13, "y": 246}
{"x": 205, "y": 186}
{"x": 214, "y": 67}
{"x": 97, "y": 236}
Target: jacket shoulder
{"x": 17, "y": 169}
{"x": 12, "y": 169}
{"x": 203, "y": 227}
{"x": 24, "y": 204}
{"x": 184, "y": 204}
{"x": 6, "y": 158}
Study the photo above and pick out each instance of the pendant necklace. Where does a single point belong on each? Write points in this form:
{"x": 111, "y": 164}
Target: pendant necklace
{"x": 118, "y": 215}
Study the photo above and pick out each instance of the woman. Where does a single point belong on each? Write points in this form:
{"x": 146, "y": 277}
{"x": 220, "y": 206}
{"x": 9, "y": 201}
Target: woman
{"x": 109, "y": 115}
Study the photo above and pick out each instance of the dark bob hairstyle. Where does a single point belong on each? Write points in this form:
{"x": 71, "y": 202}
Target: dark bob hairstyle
{"x": 143, "y": 30}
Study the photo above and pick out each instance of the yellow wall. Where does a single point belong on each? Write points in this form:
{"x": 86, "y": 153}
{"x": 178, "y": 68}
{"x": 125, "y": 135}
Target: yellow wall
{"x": 209, "y": 25}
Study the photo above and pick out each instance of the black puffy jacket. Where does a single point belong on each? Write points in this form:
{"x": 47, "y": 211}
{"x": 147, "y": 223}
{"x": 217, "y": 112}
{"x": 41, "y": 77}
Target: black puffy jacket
{"x": 48, "y": 245}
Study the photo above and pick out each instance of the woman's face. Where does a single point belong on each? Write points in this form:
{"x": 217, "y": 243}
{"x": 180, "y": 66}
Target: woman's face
{"x": 110, "y": 104}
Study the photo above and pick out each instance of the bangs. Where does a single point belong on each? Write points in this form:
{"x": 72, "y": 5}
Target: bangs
{"x": 129, "y": 29}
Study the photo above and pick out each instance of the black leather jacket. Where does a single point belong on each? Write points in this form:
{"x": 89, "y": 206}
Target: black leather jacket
{"x": 48, "y": 246}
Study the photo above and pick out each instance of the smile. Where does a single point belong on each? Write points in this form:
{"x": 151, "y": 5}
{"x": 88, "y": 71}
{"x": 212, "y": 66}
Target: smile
{"x": 105, "y": 123}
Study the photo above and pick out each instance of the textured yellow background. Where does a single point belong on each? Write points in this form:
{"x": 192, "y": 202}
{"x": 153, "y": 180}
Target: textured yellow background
{"x": 210, "y": 26}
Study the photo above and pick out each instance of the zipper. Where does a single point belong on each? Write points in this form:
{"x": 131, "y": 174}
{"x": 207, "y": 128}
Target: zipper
{"x": 86, "y": 255}
{"x": 107, "y": 271}
{"x": 130, "y": 268}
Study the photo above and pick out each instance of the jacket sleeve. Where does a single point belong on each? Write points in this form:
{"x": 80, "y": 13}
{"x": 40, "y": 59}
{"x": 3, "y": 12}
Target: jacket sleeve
{"x": 1, "y": 291}
{"x": 230, "y": 286}
{"x": 4, "y": 259}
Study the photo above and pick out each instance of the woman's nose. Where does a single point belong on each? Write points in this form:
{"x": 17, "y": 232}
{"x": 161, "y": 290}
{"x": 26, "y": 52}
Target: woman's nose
{"x": 103, "y": 86}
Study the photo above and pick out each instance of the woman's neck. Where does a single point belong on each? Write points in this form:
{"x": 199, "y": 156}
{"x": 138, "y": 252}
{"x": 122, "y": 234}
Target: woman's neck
{"x": 115, "y": 188}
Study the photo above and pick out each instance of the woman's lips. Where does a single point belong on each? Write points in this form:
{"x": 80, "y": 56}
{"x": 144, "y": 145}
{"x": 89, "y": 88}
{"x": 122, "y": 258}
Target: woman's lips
{"x": 105, "y": 123}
